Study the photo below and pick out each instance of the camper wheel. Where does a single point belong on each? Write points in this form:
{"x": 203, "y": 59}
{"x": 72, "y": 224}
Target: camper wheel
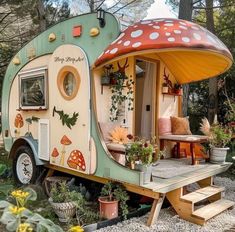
{"x": 24, "y": 168}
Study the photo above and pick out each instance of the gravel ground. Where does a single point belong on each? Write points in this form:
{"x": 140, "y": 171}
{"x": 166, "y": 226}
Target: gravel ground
{"x": 169, "y": 221}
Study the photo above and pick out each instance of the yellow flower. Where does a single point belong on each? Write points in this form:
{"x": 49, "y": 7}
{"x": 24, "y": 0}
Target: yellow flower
{"x": 20, "y": 194}
{"x": 24, "y": 227}
{"x": 16, "y": 210}
{"x": 76, "y": 229}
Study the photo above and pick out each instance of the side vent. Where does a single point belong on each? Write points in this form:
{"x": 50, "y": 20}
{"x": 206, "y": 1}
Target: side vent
{"x": 43, "y": 139}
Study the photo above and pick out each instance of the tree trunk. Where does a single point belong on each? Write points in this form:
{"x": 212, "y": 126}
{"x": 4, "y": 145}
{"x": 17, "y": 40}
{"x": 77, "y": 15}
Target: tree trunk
{"x": 185, "y": 12}
{"x": 213, "y": 95}
{"x": 41, "y": 15}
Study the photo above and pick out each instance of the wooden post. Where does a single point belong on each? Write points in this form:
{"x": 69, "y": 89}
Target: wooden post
{"x": 155, "y": 210}
{"x": 192, "y": 153}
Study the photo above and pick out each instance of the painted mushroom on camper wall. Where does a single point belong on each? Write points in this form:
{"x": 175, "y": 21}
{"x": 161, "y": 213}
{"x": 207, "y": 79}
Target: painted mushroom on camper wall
{"x": 19, "y": 122}
{"x": 76, "y": 160}
{"x": 54, "y": 154}
{"x": 65, "y": 141}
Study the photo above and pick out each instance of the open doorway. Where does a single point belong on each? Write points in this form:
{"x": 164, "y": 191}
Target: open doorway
{"x": 145, "y": 99}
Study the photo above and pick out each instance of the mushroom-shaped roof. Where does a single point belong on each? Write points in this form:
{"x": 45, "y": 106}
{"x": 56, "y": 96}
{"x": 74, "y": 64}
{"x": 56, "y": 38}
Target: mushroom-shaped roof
{"x": 19, "y": 122}
{"x": 190, "y": 51}
{"x": 76, "y": 158}
{"x": 55, "y": 153}
{"x": 65, "y": 140}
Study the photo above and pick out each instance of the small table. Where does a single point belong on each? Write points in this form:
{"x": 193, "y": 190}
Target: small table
{"x": 191, "y": 139}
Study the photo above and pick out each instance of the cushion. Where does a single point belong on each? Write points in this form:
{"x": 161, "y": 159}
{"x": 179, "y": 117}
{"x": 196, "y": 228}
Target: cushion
{"x": 164, "y": 126}
{"x": 180, "y": 126}
{"x": 119, "y": 135}
{"x": 105, "y": 128}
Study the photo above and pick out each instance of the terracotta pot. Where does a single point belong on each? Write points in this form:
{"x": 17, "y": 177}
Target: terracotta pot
{"x": 64, "y": 211}
{"x": 108, "y": 209}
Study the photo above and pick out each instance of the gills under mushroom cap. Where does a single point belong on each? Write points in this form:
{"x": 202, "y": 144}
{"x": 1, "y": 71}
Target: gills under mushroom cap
{"x": 177, "y": 43}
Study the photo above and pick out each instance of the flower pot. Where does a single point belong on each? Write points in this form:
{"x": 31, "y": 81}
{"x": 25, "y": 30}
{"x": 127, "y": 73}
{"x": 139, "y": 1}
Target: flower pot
{"x": 178, "y": 91}
{"x": 218, "y": 155}
{"x": 165, "y": 89}
{"x": 108, "y": 209}
{"x": 64, "y": 211}
{"x": 147, "y": 170}
{"x": 105, "y": 80}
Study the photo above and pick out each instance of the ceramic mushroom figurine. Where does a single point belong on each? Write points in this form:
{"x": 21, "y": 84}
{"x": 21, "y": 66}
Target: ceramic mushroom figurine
{"x": 19, "y": 122}
{"x": 65, "y": 141}
{"x": 54, "y": 154}
{"x": 76, "y": 160}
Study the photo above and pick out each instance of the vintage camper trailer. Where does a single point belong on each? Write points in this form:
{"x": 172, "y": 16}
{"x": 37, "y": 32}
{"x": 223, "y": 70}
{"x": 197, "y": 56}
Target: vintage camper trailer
{"x": 68, "y": 89}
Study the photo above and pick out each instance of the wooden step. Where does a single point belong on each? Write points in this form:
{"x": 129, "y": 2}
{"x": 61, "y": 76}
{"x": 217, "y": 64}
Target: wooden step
{"x": 211, "y": 210}
{"x": 201, "y": 194}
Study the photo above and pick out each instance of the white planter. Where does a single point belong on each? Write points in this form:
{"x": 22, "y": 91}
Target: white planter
{"x": 64, "y": 211}
{"x": 218, "y": 155}
{"x": 147, "y": 172}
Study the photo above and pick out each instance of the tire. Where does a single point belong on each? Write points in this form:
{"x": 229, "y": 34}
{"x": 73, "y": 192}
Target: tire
{"x": 25, "y": 170}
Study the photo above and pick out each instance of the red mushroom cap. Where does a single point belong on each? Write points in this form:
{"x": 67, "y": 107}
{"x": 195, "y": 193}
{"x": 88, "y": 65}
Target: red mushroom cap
{"x": 65, "y": 140}
{"x": 55, "y": 153}
{"x": 76, "y": 158}
{"x": 19, "y": 122}
{"x": 171, "y": 39}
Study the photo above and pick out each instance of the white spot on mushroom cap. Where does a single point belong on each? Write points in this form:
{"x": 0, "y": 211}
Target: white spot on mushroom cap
{"x": 135, "y": 26}
{"x": 168, "y": 24}
{"x": 185, "y": 39}
{"x": 182, "y": 23}
{"x": 159, "y": 20}
{"x": 114, "y": 50}
{"x": 195, "y": 28}
{"x": 183, "y": 27}
{"x": 119, "y": 42}
{"x": 177, "y": 31}
{"x": 135, "y": 34}
{"x": 126, "y": 43}
{"x": 150, "y": 24}
{"x": 169, "y": 21}
{"x": 120, "y": 36}
{"x": 136, "y": 45}
{"x": 165, "y": 28}
{"x": 171, "y": 39}
{"x": 156, "y": 27}
{"x": 168, "y": 34}
{"x": 107, "y": 51}
{"x": 154, "y": 35}
{"x": 145, "y": 22}
{"x": 197, "y": 36}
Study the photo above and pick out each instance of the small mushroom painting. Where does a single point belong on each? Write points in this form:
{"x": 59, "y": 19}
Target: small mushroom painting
{"x": 76, "y": 161}
{"x": 19, "y": 123}
{"x": 54, "y": 154}
{"x": 65, "y": 141}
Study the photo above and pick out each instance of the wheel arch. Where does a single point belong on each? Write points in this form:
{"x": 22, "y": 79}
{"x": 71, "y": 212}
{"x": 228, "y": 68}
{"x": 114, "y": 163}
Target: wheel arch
{"x": 26, "y": 141}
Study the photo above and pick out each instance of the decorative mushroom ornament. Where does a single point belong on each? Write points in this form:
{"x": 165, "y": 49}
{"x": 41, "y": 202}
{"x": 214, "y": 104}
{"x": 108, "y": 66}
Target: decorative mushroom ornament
{"x": 76, "y": 160}
{"x": 190, "y": 51}
{"x": 65, "y": 141}
{"x": 54, "y": 154}
{"x": 19, "y": 123}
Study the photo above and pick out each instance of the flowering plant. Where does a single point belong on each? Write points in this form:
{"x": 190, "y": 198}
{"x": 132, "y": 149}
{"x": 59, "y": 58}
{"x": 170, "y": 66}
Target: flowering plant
{"x": 140, "y": 150}
{"x": 219, "y": 135}
{"x": 18, "y": 218}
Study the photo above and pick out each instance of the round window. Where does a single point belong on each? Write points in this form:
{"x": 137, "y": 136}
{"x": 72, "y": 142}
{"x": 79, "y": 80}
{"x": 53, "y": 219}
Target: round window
{"x": 68, "y": 82}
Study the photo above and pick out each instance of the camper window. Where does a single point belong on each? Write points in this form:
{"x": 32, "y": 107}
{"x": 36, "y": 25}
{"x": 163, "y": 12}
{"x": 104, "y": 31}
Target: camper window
{"x": 33, "y": 89}
{"x": 68, "y": 82}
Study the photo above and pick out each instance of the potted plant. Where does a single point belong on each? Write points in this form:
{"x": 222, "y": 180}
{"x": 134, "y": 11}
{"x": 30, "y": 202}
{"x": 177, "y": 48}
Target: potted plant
{"x": 112, "y": 196}
{"x": 63, "y": 201}
{"x": 219, "y": 136}
{"x": 140, "y": 152}
{"x": 165, "y": 88}
{"x": 106, "y": 78}
{"x": 177, "y": 89}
